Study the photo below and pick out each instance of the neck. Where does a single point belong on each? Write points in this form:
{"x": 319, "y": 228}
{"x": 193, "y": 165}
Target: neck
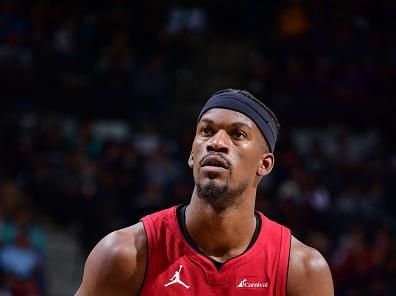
{"x": 221, "y": 233}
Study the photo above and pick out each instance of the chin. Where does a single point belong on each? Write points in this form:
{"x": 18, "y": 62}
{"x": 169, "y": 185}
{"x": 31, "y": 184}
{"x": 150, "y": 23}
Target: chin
{"x": 213, "y": 181}
{"x": 212, "y": 189}
{"x": 218, "y": 193}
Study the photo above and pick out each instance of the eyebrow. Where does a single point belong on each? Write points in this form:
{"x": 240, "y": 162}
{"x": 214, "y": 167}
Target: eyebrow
{"x": 206, "y": 120}
{"x": 233, "y": 125}
{"x": 241, "y": 124}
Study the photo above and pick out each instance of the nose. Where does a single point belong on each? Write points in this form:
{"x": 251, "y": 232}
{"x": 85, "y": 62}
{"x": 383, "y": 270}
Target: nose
{"x": 219, "y": 142}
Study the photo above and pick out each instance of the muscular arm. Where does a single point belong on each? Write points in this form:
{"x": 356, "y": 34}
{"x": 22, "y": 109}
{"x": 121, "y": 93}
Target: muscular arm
{"x": 116, "y": 265}
{"x": 309, "y": 274}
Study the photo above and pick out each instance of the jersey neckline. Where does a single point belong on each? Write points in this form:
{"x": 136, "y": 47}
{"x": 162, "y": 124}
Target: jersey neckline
{"x": 201, "y": 258}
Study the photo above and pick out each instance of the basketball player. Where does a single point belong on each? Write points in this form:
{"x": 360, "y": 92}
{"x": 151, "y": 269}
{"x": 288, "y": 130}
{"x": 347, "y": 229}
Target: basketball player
{"x": 217, "y": 244}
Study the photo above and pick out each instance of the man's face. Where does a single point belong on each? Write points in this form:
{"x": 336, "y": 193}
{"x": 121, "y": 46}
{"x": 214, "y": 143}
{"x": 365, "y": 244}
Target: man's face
{"x": 227, "y": 154}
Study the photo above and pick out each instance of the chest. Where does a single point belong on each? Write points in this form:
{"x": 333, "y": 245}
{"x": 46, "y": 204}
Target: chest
{"x": 189, "y": 276}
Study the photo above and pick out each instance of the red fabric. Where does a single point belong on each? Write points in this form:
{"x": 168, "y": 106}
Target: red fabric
{"x": 263, "y": 267}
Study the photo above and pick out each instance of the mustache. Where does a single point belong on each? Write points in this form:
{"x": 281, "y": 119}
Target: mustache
{"x": 216, "y": 154}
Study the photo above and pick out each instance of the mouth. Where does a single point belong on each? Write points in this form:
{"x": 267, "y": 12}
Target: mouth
{"x": 214, "y": 162}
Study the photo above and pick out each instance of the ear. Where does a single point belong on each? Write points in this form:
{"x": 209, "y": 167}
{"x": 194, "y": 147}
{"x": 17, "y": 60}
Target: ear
{"x": 191, "y": 160}
{"x": 266, "y": 164}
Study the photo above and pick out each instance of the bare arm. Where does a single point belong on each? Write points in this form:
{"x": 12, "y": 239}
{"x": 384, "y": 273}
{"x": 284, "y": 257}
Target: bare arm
{"x": 309, "y": 274}
{"x": 116, "y": 265}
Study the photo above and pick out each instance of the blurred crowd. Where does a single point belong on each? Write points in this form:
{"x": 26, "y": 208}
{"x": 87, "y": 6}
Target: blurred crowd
{"x": 99, "y": 99}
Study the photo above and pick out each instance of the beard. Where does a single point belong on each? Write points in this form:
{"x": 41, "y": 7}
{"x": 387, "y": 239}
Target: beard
{"x": 220, "y": 196}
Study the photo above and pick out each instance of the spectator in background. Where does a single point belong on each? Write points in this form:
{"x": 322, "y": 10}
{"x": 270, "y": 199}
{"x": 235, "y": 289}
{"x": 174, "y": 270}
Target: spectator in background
{"x": 22, "y": 245}
{"x": 293, "y": 19}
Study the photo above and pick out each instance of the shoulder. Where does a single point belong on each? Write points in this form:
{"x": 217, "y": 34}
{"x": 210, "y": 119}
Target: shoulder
{"x": 116, "y": 265}
{"x": 121, "y": 248}
{"x": 309, "y": 273}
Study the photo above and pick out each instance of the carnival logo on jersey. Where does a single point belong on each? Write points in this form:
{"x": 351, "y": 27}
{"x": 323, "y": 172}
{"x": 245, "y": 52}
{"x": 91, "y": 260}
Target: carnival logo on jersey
{"x": 176, "y": 279}
{"x": 245, "y": 283}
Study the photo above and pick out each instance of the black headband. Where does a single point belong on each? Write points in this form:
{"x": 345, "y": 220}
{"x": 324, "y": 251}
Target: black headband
{"x": 240, "y": 103}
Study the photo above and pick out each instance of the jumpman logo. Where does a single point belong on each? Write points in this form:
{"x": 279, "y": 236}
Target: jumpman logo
{"x": 176, "y": 279}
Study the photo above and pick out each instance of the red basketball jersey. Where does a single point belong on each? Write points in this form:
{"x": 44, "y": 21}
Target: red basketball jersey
{"x": 174, "y": 267}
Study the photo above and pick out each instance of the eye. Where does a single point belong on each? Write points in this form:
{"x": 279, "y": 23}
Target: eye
{"x": 239, "y": 135}
{"x": 206, "y": 131}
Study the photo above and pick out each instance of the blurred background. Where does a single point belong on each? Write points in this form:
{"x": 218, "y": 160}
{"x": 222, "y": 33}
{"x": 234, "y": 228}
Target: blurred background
{"x": 98, "y": 103}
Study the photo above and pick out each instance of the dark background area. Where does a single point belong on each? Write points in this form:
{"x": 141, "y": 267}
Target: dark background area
{"x": 98, "y": 104}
